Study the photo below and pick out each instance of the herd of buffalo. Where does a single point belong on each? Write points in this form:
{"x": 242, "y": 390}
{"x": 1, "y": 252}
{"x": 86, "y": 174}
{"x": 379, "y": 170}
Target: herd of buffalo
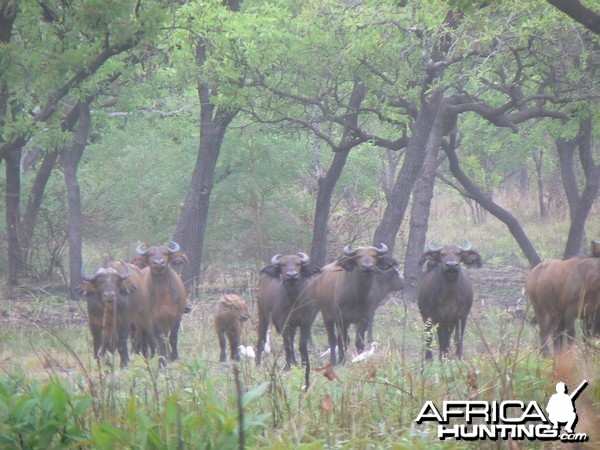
{"x": 144, "y": 300}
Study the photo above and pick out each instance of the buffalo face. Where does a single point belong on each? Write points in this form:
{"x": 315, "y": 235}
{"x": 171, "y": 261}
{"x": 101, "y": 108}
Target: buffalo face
{"x": 366, "y": 259}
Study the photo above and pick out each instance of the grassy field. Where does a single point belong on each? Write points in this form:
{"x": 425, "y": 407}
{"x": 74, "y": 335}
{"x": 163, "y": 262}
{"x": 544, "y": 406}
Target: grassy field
{"x": 53, "y": 394}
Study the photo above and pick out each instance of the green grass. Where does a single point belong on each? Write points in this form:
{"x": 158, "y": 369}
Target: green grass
{"x": 49, "y": 376}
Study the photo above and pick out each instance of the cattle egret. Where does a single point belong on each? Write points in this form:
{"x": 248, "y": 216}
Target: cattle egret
{"x": 246, "y": 351}
{"x": 365, "y": 355}
{"x": 267, "y": 348}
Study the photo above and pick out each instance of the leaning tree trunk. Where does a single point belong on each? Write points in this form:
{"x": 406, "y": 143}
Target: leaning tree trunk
{"x": 13, "y": 215}
{"x": 323, "y": 207}
{"x": 70, "y": 161}
{"x": 421, "y": 206}
{"x": 411, "y": 166}
{"x": 582, "y": 204}
{"x": 35, "y": 200}
{"x": 479, "y": 196}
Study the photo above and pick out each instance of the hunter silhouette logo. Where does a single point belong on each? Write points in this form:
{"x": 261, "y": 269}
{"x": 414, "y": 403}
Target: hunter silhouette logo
{"x": 561, "y": 406}
{"x": 509, "y": 419}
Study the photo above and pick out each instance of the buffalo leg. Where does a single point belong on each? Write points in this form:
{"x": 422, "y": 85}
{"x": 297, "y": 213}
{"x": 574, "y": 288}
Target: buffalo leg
{"x": 173, "y": 337}
{"x": 303, "y": 346}
{"x": 428, "y": 338}
{"x": 263, "y": 326}
{"x": 361, "y": 329}
{"x": 288, "y": 342}
{"x": 222, "y": 346}
{"x": 343, "y": 341}
{"x": 458, "y": 336}
{"x": 123, "y": 335}
{"x": 234, "y": 343}
{"x": 331, "y": 339}
{"x": 444, "y": 335}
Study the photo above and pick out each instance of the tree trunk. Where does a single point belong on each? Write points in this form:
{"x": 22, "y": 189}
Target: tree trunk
{"x": 70, "y": 161}
{"x": 538, "y": 158}
{"x": 411, "y": 166}
{"x": 323, "y": 207}
{"x": 579, "y": 211}
{"x": 35, "y": 200}
{"x": 421, "y": 205}
{"x": 13, "y": 215}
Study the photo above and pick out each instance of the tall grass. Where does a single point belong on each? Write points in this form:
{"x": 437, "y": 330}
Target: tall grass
{"x": 193, "y": 403}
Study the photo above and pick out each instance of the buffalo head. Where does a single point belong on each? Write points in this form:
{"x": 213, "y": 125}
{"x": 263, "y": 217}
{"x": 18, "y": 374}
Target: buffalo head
{"x": 366, "y": 259}
{"x": 290, "y": 267}
{"x": 107, "y": 282}
{"x": 159, "y": 257}
{"x": 450, "y": 256}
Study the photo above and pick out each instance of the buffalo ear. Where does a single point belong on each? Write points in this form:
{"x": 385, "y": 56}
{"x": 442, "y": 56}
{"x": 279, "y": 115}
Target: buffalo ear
{"x": 309, "y": 270}
{"x": 386, "y": 263}
{"x": 433, "y": 257}
{"x": 140, "y": 261}
{"x": 178, "y": 258}
{"x": 86, "y": 288}
{"x": 347, "y": 263}
{"x": 471, "y": 259}
{"x": 273, "y": 270}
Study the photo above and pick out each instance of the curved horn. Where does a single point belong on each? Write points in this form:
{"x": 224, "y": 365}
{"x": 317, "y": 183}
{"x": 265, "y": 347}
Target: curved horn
{"x": 348, "y": 251}
{"x": 431, "y": 248}
{"x": 303, "y": 257}
{"x": 468, "y": 245}
{"x": 84, "y": 275}
{"x": 173, "y": 247}
{"x": 139, "y": 251}
{"x": 382, "y": 249}
{"x": 275, "y": 259}
{"x": 127, "y": 274}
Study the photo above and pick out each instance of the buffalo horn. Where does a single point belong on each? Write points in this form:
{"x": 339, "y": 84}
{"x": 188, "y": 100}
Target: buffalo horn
{"x": 275, "y": 259}
{"x": 84, "y": 275}
{"x": 303, "y": 257}
{"x": 431, "y": 248}
{"x": 468, "y": 245}
{"x": 139, "y": 251}
{"x": 173, "y": 247}
{"x": 382, "y": 249}
{"x": 127, "y": 274}
{"x": 348, "y": 251}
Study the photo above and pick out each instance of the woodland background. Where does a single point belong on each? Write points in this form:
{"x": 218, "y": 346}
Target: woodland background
{"x": 246, "y": 129}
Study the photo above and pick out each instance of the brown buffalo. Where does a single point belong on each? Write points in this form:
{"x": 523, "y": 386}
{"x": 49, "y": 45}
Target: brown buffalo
{"x": 282, "y": 300}
{"x": 166, "y": 293}
{"x": 230, "y": 314}
{"x": 445, "y": 294}
{"x": 385, "y": 282}
{"x": 561, "y": 291}
{"x": 117, "y": 301}
{"x": 342, "y": 292}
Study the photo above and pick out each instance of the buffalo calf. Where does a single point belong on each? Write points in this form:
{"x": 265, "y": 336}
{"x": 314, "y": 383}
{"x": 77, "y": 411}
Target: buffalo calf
{"x": 230, "y": 314}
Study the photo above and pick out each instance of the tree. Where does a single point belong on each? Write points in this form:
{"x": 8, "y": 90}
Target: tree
{"x": 59, "y": 46}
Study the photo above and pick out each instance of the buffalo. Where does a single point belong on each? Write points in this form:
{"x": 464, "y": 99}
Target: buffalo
{"x": 561, "y": 291}
{"x": 445, "y": 294}
{"x": 230, "y": 314}
{"x": 166, "y": 293}
{"x": 117, "y": 302}
{"x": 385, "y": 282}
{"x": 342, "y": 293}
{"x": 282, "y": 301}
